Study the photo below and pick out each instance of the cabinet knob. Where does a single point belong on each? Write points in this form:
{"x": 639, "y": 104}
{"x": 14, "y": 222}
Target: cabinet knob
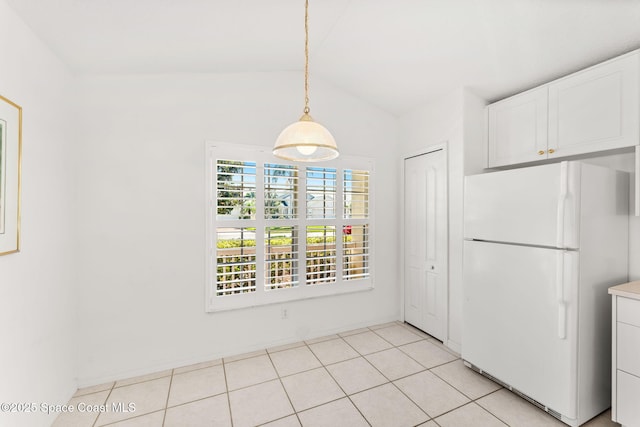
{"x": 551, "y": 151}
{"x": 541, "y": 152}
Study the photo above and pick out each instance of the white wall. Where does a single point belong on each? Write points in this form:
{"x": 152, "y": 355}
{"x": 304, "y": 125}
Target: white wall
{"x": 141, "y": 216}
{"x": 37, "y": 292}
{"x": 475, "y": 134}
{"x": 442, "y": 121}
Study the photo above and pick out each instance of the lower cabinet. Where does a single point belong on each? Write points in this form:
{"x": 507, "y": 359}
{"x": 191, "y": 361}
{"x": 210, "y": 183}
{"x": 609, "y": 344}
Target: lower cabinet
{"x": 625, "y": 403}
{"x": 628, "y": 404}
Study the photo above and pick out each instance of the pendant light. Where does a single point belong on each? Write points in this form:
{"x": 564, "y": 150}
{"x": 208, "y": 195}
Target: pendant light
{"x": 306, "y": 140}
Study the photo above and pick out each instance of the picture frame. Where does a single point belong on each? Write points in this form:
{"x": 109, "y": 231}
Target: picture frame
{"x": 10, "y": 175}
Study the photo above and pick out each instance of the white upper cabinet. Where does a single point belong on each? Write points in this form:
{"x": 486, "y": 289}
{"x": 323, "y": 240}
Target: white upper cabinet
{"x": 596, "y": 109}
{"x": 592, "y": 110}
{"x": 518, "y": 128}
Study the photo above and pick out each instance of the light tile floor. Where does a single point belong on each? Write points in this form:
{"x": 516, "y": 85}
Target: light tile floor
{"x": 387, "y": 375}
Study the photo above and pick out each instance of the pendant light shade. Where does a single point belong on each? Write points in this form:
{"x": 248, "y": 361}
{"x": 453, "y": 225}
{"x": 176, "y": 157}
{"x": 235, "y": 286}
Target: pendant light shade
{"x": 306, "y": 140}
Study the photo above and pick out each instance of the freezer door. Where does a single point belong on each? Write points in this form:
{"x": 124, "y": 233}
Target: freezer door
{"x": 535, "y": 206}
{"x": 520, "y": 319}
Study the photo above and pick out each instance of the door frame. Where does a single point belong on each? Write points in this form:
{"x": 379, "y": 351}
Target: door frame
{"x": 443, "y": 146}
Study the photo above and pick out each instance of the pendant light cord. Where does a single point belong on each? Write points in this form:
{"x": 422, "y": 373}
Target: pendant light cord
{"x": 306, "y": 57}
{"x": 305, "y": 140}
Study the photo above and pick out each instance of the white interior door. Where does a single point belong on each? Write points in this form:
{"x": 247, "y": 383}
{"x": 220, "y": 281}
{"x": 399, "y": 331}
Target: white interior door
{"x": 425, "y": 242}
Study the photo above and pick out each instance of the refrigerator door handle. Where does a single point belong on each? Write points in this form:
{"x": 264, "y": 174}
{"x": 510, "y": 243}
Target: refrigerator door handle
{"x": 562, "y": 198}
{"x": 562, "y": 320}
{"x": 562, "y": 306}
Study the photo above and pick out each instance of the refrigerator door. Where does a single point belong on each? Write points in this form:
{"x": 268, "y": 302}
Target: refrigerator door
{"x": 520, "y": 311}
{"x": 534, "y": 206}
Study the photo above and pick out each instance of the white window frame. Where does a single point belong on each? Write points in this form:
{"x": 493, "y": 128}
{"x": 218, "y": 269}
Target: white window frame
{"x": 261, "y": 155}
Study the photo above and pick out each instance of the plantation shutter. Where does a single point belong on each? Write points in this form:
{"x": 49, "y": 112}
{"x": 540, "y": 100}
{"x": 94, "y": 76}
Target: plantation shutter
{"x": 355, "y": 236}
{"x": 321, "y": 241}
{"x": 235, "y": 245}
{"x": 279, "y": 231}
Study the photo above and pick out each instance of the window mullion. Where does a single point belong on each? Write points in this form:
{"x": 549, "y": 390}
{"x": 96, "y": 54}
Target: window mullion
{"x": 260, "y": 225}
{"x": 302, "y": 226}
{"x": 339, "y": 223}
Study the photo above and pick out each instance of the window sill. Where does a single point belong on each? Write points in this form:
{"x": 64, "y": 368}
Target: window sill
{"x": 240, "y": 301}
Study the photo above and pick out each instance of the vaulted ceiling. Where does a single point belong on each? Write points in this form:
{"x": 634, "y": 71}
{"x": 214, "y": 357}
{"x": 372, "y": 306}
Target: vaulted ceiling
{"x": 396, "y": 54}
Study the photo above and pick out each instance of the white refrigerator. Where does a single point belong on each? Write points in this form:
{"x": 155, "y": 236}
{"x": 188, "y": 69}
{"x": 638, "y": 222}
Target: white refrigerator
{"x": 542, "y": 246}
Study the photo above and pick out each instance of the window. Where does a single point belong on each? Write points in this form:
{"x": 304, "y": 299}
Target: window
{"x": 279, "y": 231}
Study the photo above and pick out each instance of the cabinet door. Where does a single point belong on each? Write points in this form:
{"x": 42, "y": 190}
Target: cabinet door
{"x": 628, "y": 411}
{"x": 628, "y": 348}
{"x": 518, "y": 128}
{"x": 595, "y": 109}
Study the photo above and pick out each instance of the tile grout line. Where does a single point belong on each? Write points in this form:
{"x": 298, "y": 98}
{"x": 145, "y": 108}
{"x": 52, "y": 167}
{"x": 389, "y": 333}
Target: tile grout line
{"x": 338, "y": 384}
{"x": 388, "y": 380}
{"x": 105, "y": 402}
{"x": 164, "y": 410}
{"x": 471, "y": 400}
{"x": 226, "y": 387}
{"x": 146, "y": 380}
{"x": 429, "y": 417}
{"x": 195, "y": 369}
{"x": 198, "y": 399}
{"x": 115, "y": 386}
{"x": 131, "y": 418}
{"x": 244, "y": 356}
{"x": 360, "y": 391}
{"x": 488, "y": 411}
{"x": 339, "y": 361}
{"x": 290, "y": 375}
{"x": 468, "y": 403}
{"x": 479, "y": 405}
{"x": 322, "y": 365}
{"x": 166, "y": 402}
{"x": 295, "y": 412}
{"x": 424, "y": 370}
{"x": 347, "y": 395}
{"x": 412, "y": 358}
{"x": 430, "y": 338}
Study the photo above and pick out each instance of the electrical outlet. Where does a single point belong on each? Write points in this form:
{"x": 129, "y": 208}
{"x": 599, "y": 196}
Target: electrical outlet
{"x": 284, "y": 313}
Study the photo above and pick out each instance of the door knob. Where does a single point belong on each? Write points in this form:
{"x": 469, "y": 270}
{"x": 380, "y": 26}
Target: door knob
{"x": 551, "y": 151}
{"x": 541, "y": 152}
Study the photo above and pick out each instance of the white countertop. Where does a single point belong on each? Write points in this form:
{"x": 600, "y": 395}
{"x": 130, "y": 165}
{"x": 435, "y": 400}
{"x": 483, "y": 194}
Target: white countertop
{"x": 629, "y": 290}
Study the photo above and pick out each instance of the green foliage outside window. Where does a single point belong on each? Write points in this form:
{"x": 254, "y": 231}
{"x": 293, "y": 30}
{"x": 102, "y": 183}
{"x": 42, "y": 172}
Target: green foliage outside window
{"x": 281, "y": 241}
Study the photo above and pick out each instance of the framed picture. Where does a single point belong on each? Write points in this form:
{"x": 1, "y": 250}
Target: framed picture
{"x": 10, "y": 154}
